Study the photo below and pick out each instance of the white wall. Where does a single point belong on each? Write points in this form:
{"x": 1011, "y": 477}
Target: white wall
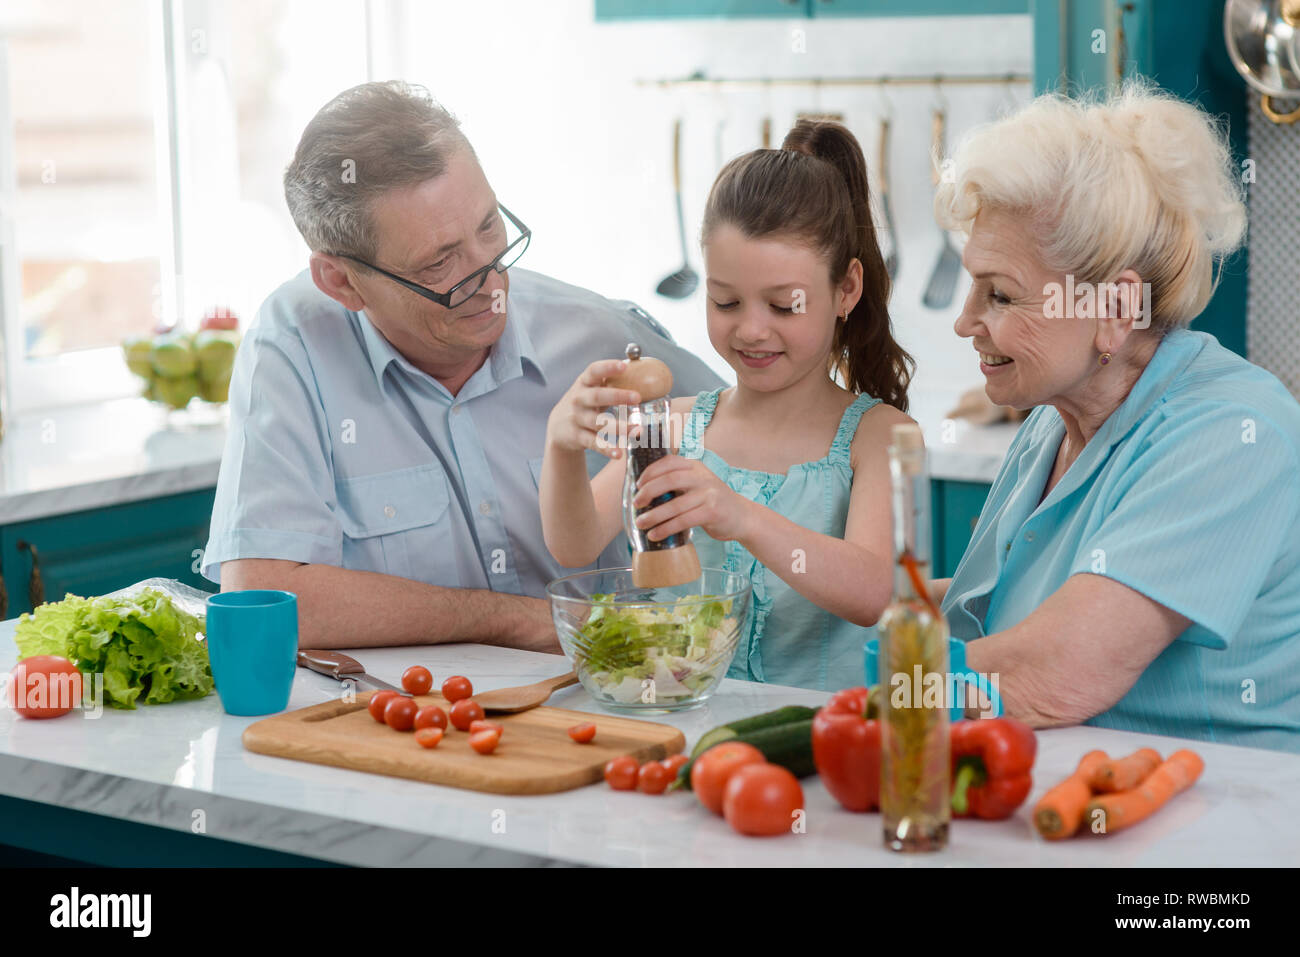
{"x": 582, "y": 153}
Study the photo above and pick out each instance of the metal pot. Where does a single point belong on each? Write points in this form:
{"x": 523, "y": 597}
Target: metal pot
{"x": 1263, "y": 38}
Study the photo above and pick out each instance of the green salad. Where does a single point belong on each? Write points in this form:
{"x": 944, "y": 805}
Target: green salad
{"x": 677, "y": 646}
{"x": 145, "y": 646}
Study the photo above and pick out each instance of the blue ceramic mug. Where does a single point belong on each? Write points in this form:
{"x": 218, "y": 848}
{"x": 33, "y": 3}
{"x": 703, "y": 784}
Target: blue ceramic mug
{"x": 956, "y": 668}
{"x": 253, "y": 647}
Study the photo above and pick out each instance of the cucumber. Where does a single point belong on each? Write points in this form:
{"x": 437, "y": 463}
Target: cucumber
{"x": 789, "y": 745}
{"x": 769, "y": 719}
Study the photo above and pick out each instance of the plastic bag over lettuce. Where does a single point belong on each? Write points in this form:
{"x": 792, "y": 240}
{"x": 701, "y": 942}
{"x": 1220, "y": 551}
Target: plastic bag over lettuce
{"x": 147, "y": 641}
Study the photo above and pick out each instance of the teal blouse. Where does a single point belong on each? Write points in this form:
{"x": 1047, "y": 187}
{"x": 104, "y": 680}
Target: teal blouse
{"x": 790, "y": 640}
{"x": 1189, "y": 494}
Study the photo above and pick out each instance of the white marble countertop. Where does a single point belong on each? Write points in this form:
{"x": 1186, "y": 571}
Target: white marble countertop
{"x": 91, "y": 456}
{"x": 958, "y": 450}
{"x": 126, "y": 450}
{"x": 161, "y": 765}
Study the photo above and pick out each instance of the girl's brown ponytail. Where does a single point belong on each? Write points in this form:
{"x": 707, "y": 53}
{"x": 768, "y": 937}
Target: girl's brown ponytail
{"x": 864, "y": 352}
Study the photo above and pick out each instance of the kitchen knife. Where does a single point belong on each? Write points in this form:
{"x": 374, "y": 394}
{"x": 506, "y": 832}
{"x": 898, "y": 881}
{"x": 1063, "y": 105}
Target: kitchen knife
{"x": 341, "y": 667}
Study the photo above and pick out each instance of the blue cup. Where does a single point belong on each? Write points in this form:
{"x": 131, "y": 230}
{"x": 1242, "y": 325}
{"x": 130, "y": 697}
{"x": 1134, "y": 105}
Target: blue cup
{"x": 956, "y": 667}
{"x": 253, "y": 647}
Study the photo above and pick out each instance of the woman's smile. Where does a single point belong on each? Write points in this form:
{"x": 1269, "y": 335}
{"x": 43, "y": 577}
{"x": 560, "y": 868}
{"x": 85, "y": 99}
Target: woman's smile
{"x": 992, "y": 362}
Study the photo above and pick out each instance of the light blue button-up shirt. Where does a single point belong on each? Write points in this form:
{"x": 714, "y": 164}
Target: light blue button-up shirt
{"x": 341, "y": 452}
{"x": 1189, "y": 494}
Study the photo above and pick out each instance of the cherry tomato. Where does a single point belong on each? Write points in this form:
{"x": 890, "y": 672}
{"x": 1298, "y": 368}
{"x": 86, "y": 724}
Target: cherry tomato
{"x": 465, "y": 712}
{"x": 484, "y": 725}
{"x": 399, "y": 713}
{"x": 431, "y": 716}
{"x": 674, "y": 763}
{"x": 485, "y": 741}
{"x": 712, "y": 768}
{"x": 428, "y": 737}
{"x": 761, "y": 799}
{"x": 652, "y": 778}
{"x": 621, "y": 773}
{"x": 44, "y": 686}
{"x": 417, "y": 679}
{"x": 378, "y": 701}
{"x": 457, "y": 688}
{"x": 583, "y": 733}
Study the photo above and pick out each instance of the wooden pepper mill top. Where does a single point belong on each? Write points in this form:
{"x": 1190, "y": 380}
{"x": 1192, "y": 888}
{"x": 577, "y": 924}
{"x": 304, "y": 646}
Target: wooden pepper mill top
{"x": 648, "y": 377}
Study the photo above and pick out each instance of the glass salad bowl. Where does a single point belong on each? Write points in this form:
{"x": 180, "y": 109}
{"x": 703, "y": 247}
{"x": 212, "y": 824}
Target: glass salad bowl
{"x": 661, "y": 649}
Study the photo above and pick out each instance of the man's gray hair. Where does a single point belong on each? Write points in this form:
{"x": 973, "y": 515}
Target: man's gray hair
{"x": 366, "y": 141}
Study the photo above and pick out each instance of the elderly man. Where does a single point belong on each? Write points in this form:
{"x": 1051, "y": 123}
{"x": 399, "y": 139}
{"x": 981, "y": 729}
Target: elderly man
{"x": 389, "y": 406}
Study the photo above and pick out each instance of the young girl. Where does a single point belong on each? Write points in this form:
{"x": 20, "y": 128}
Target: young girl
{"x": 785, "y": 476}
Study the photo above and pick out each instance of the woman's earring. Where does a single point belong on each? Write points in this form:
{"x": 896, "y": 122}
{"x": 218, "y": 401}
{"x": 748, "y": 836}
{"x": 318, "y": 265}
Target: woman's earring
{"x": 843, "y": 318}
{"x": 1103, "y": 358}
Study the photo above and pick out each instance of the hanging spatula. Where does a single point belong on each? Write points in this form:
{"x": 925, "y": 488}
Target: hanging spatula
{"x": 891, "y": 258}
{"x": 943, "y": 281}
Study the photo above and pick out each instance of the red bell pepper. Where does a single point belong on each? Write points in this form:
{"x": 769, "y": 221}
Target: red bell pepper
{"x": 991, "y": 761}
{"x": 846, "y": 750}
{"x": 992, "y": 758}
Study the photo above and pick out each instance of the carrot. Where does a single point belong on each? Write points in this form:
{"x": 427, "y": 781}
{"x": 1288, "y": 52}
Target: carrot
{"x": 1124, "y": 774}
{"x": 1060, "y": 811}
{"x": 1126, "y": 808}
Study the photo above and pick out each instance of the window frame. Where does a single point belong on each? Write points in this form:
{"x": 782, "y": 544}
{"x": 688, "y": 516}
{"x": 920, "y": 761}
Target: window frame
{"x": 80, "y": 376}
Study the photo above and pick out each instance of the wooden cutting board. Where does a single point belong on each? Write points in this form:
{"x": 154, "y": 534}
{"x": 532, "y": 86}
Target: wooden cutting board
{"x": 535, "y": 755}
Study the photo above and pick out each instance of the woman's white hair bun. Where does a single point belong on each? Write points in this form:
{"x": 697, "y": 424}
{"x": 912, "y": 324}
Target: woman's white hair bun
{"x": 1186, "y": 156}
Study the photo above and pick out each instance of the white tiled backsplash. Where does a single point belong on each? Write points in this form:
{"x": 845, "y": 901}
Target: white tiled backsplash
{"x": 1273, "y": 304}
{"x": 582, "y": 154}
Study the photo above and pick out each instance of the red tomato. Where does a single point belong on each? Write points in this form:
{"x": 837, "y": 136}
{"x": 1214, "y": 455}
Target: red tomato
{"x": 431, "y": 716}
{"x": 399, "y": 713}
{"x": 761, "y": 799}
{"x": 674, "y": 763}
{"x": 417, "y": 679}
{"x": 378, "y": 701}
{"x": 652, "y": 778}
{"x": 457, "y": 688}
{"x": 484, "y": 725}
{"x": 621, "y": 773}
{"x": 583, "y": 733}
{"x": 428, "y": 737}
{"x": 712, "y": 768}
{"x": 465, "y": 712}
{"x": 485, "y": 741}
{"x": 44, "y": 686}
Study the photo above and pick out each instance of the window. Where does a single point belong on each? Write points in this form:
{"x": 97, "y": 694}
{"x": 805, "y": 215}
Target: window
{"x": 141, "y": 155}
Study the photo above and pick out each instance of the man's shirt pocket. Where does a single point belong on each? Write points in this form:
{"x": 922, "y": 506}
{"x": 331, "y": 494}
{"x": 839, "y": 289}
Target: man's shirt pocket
{"x": 399, "y": 523}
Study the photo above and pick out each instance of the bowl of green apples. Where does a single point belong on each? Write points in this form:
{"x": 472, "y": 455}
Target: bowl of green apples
{"x": 178, "y": 367}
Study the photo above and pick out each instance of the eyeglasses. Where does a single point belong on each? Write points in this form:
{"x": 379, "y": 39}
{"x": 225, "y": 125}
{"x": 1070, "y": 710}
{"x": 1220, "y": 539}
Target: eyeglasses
{"x": 466, "y": 289}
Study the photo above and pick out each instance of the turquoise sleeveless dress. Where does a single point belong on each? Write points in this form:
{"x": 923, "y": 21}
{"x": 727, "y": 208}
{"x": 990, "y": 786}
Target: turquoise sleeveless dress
{"x": 790, "y": 640}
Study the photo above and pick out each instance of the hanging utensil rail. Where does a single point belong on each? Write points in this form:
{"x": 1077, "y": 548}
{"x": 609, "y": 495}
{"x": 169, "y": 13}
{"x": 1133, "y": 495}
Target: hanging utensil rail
{"x": 908, "y": 79}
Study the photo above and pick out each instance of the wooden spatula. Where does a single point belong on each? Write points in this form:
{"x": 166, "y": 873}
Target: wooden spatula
{"x": 510, "y": 700}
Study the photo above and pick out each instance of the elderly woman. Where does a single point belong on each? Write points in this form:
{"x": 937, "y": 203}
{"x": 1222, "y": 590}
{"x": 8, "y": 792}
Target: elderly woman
{"x": 1137, "y": 564}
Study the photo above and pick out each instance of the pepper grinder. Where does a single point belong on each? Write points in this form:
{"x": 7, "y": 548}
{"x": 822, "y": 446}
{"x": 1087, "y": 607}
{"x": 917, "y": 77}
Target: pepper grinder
{"x": 672, "y": 560}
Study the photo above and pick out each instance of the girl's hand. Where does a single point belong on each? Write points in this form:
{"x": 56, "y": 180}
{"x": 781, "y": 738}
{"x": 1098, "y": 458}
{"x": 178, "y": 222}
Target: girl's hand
{"x": 578, "y": 420}
{"x": 703, "y": 500}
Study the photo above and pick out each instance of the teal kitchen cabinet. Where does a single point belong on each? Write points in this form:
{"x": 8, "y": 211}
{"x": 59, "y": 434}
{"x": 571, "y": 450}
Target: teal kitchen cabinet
{"x": 1085, "y": 45}
{"x": 101, "y": 550}
{"x": 954, "y": 509}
